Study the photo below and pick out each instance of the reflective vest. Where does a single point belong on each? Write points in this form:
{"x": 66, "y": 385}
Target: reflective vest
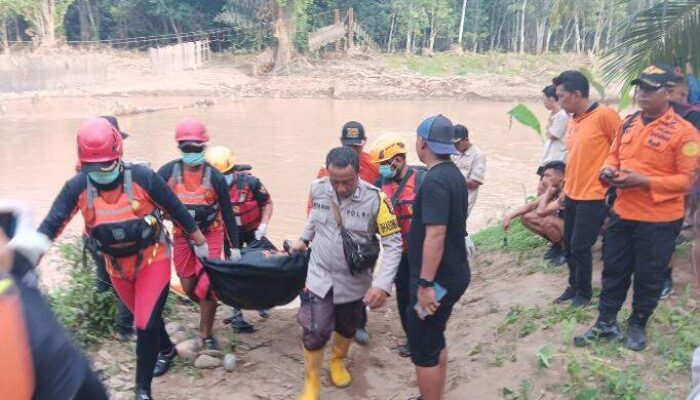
{"x": 246, "y": 209}
{"x": 123, "y": 228}
{"x": 402, "y": 195}
{"x": 201, "y": 202}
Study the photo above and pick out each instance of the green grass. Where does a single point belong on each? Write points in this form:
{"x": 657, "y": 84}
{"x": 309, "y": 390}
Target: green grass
{"x": 88, "y": 315}
{"x": 507, "y": 65}
{"x": 517, "y": 239}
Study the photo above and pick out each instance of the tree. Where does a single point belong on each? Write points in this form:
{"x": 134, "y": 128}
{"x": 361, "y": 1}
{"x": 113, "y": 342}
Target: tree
{"x": 666, "y": 32}
{"x": 45, "y": 17}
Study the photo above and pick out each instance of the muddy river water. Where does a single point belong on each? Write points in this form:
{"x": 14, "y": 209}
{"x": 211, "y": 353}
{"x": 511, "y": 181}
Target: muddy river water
{"x": 284, "y": 139}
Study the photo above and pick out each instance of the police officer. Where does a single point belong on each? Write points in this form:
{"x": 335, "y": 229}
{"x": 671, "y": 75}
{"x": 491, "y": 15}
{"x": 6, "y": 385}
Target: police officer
{"x": 651, "y": 164}
{"x": 400, "y": 182}
{"x": 335, "y": 295}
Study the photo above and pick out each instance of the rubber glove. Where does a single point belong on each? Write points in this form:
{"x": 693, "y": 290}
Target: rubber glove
{"x": 202, "y": 250}
{"x": 26, "y": 240}
{"x": 261, "y": 231}
{"x": 235, "y": 254}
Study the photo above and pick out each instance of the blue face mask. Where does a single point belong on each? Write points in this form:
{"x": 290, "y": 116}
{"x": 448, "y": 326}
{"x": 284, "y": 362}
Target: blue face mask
{"x": 193, "y": 159}
{"x": 104, "y": 177}
{"x": 386, "y": 171}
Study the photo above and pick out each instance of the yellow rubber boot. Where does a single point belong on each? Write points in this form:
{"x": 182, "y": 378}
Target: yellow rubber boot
{"x": 339, "y": 350}
{"x": 312, "y": 377}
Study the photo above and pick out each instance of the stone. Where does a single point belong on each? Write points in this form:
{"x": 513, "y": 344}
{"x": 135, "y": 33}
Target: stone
{"x": 211, "y": 353}
{"x": 207, "y": 362}
{"x": 230, "y": 361}
{"x": 188, "y": 349}
{"x": 178, "y": 337}
{"x": 173, "y": 327}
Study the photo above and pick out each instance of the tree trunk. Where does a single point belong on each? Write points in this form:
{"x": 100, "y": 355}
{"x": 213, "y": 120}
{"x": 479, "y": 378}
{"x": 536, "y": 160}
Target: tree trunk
{"x": 566, "y": 36}
{"x": 476, "y": 26}
{"x": 522, "y": 27}
{"x": 577, "y": 28}
{"x": 548, "y": 39}
{"x": 83, "y": 20}
{"x": 18, "y": 33}
{"x": 433, "y": 32}
{"x": 5, "y": 40}
{"x": 540, "y": 36}
{"x": 173, "y": 25}
{"x": 610, "y": 25}
{"x": 461, "y": 22}
{"x": 492, "y": 27}
{"x": 94, "y": 22}
{"x": 599, "y": 28}
{"x": 284, "y": 28}
{"x": 47, "y": 31}
{"x": 391, "y": 33}
{"x": 408, "y": 39}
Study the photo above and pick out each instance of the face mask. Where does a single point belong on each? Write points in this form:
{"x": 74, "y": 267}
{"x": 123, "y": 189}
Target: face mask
{"x": 386, "y": 171}
{"x": 193, "y": 159}
{"x": 229, "y": 179}
{"x": 104, "y": 177}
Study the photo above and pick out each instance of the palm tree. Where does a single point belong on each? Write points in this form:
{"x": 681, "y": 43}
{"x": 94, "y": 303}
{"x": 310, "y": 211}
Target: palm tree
{"x": 667, "y": 33}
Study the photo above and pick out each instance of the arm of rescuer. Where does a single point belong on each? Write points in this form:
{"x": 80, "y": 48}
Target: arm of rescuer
{"x": 223, "y": 195}
{"x": 390, "y": 236}
{"x": 309, "y": 231}
{"x": 478, "y": 172}
{"x": 436, "y": 215}
{"x": 264, "y": 200}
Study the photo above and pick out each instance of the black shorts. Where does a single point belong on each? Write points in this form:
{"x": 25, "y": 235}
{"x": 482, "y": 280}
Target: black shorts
{"x": 426, "y": 337}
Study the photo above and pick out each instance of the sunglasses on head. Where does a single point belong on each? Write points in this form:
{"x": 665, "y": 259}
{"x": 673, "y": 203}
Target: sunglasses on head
{"x": 106, "y": 166}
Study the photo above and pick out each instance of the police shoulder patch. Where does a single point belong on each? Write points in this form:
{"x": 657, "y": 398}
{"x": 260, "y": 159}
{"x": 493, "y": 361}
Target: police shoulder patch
{"x": 691, "y": 149}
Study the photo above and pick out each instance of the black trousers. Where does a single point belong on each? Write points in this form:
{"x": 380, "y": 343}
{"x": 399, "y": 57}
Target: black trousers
{"x": 125, "y": 319}
{"x": 403, "y": 293}
{"x": 582, "y": 222}
{"x": 642, "y": 249}
{"x": 151, "y": 341}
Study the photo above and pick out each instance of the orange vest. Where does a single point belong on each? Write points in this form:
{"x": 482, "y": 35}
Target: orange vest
{"x": 245, "y": 207}
{"x": 17, "y": 378}
{"x": 196, "y": 194}
{"x": 120, "y": 211}
{"x": 402, "y": 196}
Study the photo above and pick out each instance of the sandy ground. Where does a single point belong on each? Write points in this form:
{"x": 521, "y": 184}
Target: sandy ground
{"x": 486, "y": 357}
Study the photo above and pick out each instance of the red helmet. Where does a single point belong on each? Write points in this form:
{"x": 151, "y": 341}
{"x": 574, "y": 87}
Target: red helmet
{"x": 99, "y": 141}
{"x": 191, "y": 130}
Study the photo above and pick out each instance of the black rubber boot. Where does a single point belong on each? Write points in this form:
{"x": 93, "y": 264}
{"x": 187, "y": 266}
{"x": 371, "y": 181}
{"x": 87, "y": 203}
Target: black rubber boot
{"x": 568, "y": 294}
{"x": 667, "y": 289}
{"x": 143, "y": 394}
{"x": 606, "y": 327}
{"x": 404, "y": 350}
{"x": 580, "y": 301}
{"x": 636, "y": 339}
{"x": 210, "y": 343}
{"x": 163, "y": 362}
{"x": 555, "y": 251}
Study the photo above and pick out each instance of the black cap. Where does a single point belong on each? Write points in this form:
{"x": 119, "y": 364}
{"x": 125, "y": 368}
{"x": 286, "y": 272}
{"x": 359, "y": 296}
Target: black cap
{"x": 439, "y": 133}
{"x": 461, "y": 132}
{"x": 353, "y": 134}
{"x": 113, "y": 120}
{"x": 656, "y": 77}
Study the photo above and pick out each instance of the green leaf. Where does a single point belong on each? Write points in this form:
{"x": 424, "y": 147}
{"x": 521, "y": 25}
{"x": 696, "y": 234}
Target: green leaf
{"x": 525, "y": 116}
{"x": 625, "y": 96}
{"x": 543, "y": 355}
{"x": 594, "y": 82}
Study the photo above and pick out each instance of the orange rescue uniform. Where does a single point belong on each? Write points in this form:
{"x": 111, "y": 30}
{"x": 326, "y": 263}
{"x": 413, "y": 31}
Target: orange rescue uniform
{"x": 589, "y": 137}
{"x": 665, "y": 150}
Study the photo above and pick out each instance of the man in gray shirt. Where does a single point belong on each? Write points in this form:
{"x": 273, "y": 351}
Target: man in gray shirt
{"x": 334, "y": 298}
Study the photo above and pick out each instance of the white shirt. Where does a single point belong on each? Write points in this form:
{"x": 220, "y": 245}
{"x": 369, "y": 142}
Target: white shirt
{"x": 555, "y": 142}
{"x": 472, "y": 164}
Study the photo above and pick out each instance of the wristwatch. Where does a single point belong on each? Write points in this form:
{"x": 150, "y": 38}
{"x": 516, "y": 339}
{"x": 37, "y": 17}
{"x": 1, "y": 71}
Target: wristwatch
{"x": 424, "y": 283}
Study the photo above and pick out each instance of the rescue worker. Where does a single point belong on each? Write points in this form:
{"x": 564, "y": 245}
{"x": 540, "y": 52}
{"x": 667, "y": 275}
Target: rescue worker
{"x": 37, "y": 356}
{"x": 203, "y": 191}
{"x": 353, "y": 136}
{"x": 590, "y": 133}
{"x": 252, "y": 207}
{"x": 651, "y": 164}
{"x": 399, "y": 182}
{"x": 335, "y": 294}
{"x": 121, "y": 204}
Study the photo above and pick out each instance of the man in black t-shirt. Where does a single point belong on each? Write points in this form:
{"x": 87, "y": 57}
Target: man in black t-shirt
{"x": 437, "y": 253}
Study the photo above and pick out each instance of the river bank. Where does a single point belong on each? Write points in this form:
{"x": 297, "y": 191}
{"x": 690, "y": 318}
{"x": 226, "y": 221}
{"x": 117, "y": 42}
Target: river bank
{"x": 506, "y": 342}
{"x": 131, "y": 87}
